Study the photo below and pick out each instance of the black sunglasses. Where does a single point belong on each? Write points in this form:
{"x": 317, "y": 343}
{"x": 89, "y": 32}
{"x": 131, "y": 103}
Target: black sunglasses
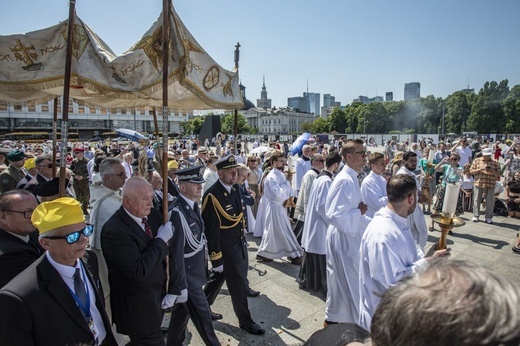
{"x": 74, "y": 236}
{"x": 50, "y": 165}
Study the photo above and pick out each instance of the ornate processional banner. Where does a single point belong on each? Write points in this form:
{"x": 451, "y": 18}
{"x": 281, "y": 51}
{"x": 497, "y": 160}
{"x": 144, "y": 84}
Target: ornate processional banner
{"x": 32, "y": 66}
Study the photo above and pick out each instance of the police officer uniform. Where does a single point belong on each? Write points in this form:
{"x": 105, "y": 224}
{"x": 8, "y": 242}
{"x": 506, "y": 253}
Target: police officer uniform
{"x": 188, "y": 263}
{"x": 13, "y": 174}
{"x": 224, "y": 222}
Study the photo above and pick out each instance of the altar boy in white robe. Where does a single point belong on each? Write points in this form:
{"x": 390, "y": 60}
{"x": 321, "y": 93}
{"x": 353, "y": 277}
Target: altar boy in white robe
{"x": 278, "y": 239}
{"x": 388, "y": 251}
{"x": 313, "y": 271}
{"x": 373, "y": 187}
{"x": 416, "y": 219}
{"x": 346, "y": 215}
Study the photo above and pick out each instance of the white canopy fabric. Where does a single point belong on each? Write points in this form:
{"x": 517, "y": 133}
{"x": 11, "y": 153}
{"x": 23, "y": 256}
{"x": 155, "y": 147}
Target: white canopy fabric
{"x": 32, "y": 66}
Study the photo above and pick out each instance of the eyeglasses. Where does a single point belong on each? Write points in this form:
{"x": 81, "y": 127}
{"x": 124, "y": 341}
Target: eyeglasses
{"x": 50, "y": 165}
{"x": 252, "y": 161}
{"x": 320, "y": 160}
{"x": 120, "y": 175}
{"x": 455, "y": 158}
{"x": 74, "y": 236}
{"x": 362, "y": 153}
{"x": 26, "y": 214}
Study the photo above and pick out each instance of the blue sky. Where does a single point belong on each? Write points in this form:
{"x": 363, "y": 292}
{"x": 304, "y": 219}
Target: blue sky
{"x": 341, "y": 47}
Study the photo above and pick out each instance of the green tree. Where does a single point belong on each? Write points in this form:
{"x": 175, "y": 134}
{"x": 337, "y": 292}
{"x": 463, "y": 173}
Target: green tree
{"x": 512, "y": 110}
{"x": 228, "y": 124}
{"x": 337, "y": 121}
{"x": 307, "y": 127}
{"x": 458, "y": 110}
{"x": 487, "y": 114}
{"x": 320, "y": 125}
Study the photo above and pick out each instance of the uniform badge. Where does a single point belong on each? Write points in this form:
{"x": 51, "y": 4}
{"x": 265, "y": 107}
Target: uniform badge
{"x": 5, "y": 181}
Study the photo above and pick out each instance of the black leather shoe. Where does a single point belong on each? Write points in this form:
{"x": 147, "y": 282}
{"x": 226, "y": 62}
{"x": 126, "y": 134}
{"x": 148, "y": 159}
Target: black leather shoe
{"x": 252, "y": 293}
{"x": 215, "y": 316}
{"x": 252, "y": 328}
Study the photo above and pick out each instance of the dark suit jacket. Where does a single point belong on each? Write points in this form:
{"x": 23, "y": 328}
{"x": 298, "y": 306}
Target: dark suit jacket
{"x": 38, "y": 309}
{"x": 15, "y": 255}
{"x": 187, "y": 272}
{"x": 136, "y": 272}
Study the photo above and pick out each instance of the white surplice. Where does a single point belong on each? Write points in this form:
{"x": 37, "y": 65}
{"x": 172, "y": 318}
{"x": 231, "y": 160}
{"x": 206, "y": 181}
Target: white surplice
{"x": 315, "y": 227}
{"x": 278, "y": 239}
{"x": 416, "y": 219}
{"x": 343, "y": 241}
{"x": 303, "y": 195}
{"x": 373, "y": 193}
{"x": 388, "y": 254}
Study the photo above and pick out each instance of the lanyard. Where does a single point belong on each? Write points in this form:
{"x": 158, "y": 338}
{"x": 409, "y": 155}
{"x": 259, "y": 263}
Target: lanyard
{"x": 83, "y": 308}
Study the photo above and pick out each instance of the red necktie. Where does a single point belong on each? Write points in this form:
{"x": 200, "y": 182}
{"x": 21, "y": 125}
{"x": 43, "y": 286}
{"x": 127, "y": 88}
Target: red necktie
{"x": 147, "y": 228}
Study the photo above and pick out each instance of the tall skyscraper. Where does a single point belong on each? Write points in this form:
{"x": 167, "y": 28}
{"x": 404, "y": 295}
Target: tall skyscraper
{"x": 389, "y": 96}
{"x": 412, "y": 91}
{"x": 263, "y": 101}
{"x": 312, "y": 101}
{"x": 297, "y": 103}
{"x": 328, "y": 100}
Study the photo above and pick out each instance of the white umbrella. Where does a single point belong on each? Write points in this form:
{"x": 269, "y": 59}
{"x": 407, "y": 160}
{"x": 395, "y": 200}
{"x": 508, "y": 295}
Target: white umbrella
{"x": 260, "y": 150}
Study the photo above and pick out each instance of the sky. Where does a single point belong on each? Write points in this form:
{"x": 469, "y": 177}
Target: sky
{"x": 345, "y": 48}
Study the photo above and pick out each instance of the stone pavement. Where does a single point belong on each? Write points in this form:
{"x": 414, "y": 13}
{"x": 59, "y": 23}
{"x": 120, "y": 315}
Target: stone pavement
{"x": 290, "y": 315}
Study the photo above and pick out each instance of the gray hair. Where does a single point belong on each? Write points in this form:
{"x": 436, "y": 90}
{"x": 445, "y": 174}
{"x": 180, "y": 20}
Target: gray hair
{"x": 452, "y": 302}
{"x": 107, "y": 165}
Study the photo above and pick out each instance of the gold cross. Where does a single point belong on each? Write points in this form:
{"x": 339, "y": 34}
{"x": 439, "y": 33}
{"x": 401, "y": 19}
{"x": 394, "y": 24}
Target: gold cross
{"x": 23, "y": 53}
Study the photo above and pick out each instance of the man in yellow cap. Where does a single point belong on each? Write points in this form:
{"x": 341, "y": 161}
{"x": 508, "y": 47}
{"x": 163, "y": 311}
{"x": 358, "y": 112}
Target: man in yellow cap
{"x": 31, "y": 171}
{"x": 56, "y": 301}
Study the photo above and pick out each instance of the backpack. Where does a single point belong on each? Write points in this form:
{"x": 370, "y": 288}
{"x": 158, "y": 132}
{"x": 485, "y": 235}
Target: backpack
{"x": 500, "y": 209}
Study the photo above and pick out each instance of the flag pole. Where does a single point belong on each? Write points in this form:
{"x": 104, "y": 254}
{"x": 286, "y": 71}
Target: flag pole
{"x": 54, "y": 135}
{"x": 165, "y": 57}
{"x": 65, "y": 100}
{"x": 235, "y": 126}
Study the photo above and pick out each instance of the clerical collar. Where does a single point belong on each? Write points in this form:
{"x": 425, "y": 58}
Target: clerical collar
{"x": 305, "y": 158}
{"x": 315, "y": 170}
{"x": 325, "y": 172}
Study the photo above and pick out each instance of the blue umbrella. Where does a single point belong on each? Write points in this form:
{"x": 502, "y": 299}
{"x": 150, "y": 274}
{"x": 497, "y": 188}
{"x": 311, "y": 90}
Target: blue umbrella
{"x": 130, "y": 134}
{"x": 299, "y": 143}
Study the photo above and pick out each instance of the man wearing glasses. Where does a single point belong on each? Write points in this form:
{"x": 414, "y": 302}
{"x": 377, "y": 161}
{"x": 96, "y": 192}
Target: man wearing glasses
{"x": 19, "y": 246}
{"x": 134, "y": 246}
{"x": 79, "y": 168}
{"x": 56, "y": 300}
{"x": 347, "y": 223}
{"x": 44, "y": 169}
{"x": 105, "y": 199}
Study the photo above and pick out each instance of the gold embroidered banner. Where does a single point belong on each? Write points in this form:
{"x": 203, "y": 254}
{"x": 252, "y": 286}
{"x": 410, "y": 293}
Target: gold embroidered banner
{"x": 32, "y": 67}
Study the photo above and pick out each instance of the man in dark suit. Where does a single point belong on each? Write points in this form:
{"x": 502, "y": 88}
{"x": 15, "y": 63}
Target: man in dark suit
{"x": 55, "y": 301}
{"x": 134, "y": 246}
{"x": 19, "y": 246}
{"x": 188, "y": 249}
{"x": 224, "y": 225}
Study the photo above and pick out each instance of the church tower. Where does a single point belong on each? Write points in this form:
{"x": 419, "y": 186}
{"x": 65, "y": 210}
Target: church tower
{"x": 263, "y": 101}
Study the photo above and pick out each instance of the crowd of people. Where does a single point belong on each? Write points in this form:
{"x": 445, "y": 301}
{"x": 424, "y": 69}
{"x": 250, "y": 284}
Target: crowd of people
{"x": 351, "y": 220}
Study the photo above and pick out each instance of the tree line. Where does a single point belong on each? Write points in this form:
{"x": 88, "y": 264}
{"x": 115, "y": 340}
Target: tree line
{"x": 494, "y": 109}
